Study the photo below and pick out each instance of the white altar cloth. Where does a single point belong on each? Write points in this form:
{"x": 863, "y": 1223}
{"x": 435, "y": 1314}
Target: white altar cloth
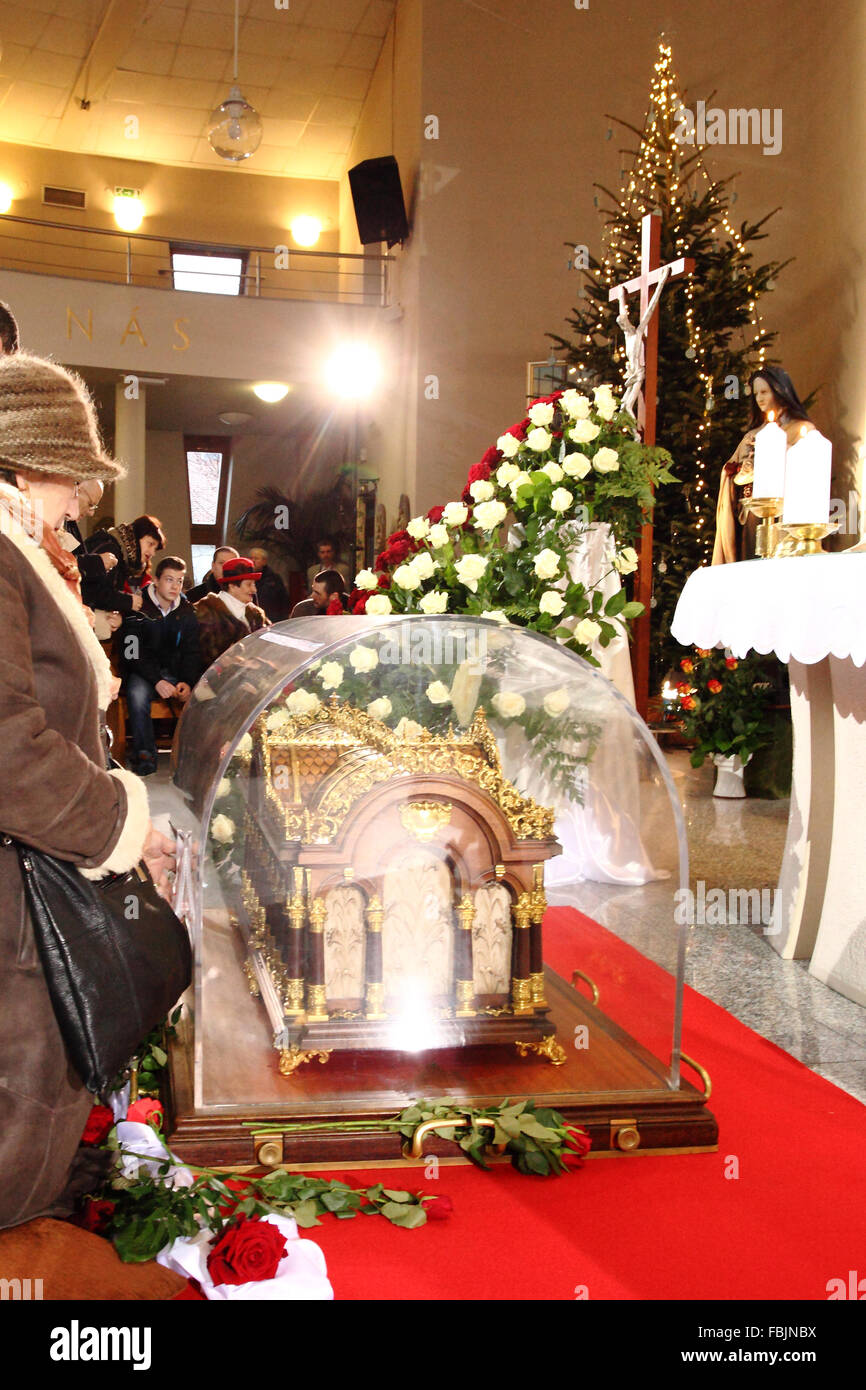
{"x": 809, "y": 611}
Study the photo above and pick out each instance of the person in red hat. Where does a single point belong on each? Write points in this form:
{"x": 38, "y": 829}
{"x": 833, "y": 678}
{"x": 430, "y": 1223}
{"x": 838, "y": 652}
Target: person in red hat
{"x": 226, "y": 617}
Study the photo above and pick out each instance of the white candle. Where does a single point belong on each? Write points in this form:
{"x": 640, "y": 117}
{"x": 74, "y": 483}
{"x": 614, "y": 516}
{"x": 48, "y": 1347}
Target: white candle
{"x": 771, "y": 445}
{"x": 807, "y": 480}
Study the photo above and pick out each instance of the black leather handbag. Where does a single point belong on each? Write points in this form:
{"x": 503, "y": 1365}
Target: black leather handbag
{"x": 115, "y": 956}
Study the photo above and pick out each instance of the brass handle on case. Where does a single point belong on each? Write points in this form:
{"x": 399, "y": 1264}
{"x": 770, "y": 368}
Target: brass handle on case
{"x": 416, "y": 1149}
{"x": 702, "y": 1073}
{"x": 580, "y": 975}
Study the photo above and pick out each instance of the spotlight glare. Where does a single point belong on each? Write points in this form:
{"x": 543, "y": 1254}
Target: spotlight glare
{"x": 6, "y": 197}
{"x": 128, "y": 212}
{"x": 305, "y": 230}
{"x": 353, "y": 371}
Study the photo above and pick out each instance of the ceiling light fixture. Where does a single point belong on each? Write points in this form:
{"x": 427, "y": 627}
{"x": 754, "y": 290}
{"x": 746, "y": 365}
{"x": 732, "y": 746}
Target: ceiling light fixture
{"x": 271, "y": 391}
{"x": 234, "y": 130}
{"x": 234, "y": 418}
{"x": 305, "y": 230}
{"x": 6, "y": 196}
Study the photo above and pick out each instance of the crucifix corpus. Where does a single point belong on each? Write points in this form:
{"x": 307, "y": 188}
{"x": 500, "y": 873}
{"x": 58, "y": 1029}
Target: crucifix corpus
{"x": 641, "y": 383}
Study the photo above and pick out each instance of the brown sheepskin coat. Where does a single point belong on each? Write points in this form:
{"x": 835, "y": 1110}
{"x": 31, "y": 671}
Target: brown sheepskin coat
{"x": 219, "y": 629}
{"x": 58, "y": 797}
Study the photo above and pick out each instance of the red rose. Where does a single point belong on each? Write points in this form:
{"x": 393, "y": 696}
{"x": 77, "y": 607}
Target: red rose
{"x": 360, "y": 605}
{"x": 248, "y": 1252}
{"x": 687, "y": 702}
{"x": 519, "y": 431}
{"x": 99, "y": 1122}
{"x": 146, "y": 1112}
{"x": 579, "y": 1142}
{"x": 731, "y": 663}
{"x": 434, "y": 516}
{"x": 687, "y": 665}
{"x": 335, "y": 606}
{"x": 95, "y": 1216}
{"x": 714, "y": 686}
{"x": 438, "y": 1208}
{"x": 683, "y": 687}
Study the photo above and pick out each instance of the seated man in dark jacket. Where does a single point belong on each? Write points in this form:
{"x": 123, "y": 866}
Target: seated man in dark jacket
{"x": 159, "y": 646}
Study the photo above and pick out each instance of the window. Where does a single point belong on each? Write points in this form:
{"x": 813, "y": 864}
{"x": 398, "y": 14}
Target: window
{"x": 208, "y": 465}
{"x": 207, "y": 271}
{"x": 543, "y": 378}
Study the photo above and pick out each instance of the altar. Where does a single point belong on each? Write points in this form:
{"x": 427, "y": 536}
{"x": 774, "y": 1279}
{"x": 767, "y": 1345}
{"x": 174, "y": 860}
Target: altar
{"x": 370, "y": 807}
{"x": 808, "y": 610}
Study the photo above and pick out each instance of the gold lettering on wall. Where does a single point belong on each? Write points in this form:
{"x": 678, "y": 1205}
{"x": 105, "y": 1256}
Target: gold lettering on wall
{"x": 133, "y": 327}
{"x": 73, "y": 318}
{"x": 182, "y": 334}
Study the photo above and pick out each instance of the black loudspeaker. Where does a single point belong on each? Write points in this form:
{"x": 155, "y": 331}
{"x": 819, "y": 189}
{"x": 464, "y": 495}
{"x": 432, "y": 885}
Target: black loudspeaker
{"x": 378, "y": 197}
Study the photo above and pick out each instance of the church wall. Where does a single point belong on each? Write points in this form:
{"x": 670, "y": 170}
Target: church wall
{"x": 166, "y": 494}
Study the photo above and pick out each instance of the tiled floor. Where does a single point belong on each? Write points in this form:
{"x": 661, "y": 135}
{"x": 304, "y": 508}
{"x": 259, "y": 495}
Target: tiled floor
{"x": 732, "y": 844}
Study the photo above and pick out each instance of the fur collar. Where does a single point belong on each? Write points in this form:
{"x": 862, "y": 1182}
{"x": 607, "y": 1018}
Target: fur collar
{"x": 71, "y": 607}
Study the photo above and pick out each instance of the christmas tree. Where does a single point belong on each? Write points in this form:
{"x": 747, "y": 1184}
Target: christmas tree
{"x": 710, "y": 334}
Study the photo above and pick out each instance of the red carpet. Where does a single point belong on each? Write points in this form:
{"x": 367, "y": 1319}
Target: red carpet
{"x": 643, "y": 1228}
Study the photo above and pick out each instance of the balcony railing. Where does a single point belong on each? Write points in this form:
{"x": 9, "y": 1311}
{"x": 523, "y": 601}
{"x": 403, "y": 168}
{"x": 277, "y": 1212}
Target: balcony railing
{"x": 137, "y": 258}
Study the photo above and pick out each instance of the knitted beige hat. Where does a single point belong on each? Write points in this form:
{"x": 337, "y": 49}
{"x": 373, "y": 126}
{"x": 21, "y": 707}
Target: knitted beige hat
{"x": 48, "y": 423}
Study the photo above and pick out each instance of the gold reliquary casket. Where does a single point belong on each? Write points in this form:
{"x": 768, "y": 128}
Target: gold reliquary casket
{"x": 413, "y": 870}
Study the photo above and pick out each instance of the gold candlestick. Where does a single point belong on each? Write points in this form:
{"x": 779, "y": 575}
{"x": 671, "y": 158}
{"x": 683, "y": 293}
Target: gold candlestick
{"x": 767, "y": 535}
{"x": 805, "y": 537}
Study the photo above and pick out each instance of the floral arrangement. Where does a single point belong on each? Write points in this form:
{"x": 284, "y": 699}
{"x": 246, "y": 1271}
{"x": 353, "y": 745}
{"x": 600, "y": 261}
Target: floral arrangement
{"x": 724, "y": 704}
{"x": 502, "y": 552}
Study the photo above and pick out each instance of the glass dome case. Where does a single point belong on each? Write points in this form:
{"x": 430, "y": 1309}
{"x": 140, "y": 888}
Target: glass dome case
{"x": 425, "y": 858}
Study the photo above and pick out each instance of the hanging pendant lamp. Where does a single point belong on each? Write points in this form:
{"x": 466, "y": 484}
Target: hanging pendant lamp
{"x": 234, "y": 129}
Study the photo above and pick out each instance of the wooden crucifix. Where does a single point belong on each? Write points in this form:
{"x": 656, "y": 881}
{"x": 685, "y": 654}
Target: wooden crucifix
{"x": 642, "y": 352}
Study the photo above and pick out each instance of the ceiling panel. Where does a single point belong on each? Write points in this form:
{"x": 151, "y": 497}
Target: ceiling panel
{"x": 306, "y": 69}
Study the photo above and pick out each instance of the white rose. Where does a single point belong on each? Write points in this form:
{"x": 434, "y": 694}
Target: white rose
{"x": 508, "y": 445}
{"x": 576, "y": 465}
{"x": 469, "y": 569}
{"x": 408, "y": 729}
{"x": 505, "y": 472}
{"x": 363, "y": 659}
{"x": 481, "y": 490}
{"x": 245, "y": 744}
{"x": 418, "y": 527}
{"x": 541, "y": 413}
{"x": 434, "y": 602}
{"x": 574, "y": 404}
{"x": 438, "y": 693}
{"x": 551, "y": 602}
{"x": 495, "y": 615}
{"x": 277, "y": 719}
{"x": 626, "y": 560}
{"x": 584, "y": 431}
{"x": 605, "y": 402}
{"x": 538, "y": 440}
{"x": 423, "y": 564}
{"x": 606, "y": 461}
{"x": 407, "y": 577}
{"x": 546, "y": 564}
{"x": 508, "y": 704}
{"x": 366, "y": 579}
{"x": 378, "y": 605}
{"x": 224, "y": 788}
{"x": 561, "y": 499}
{"x": 331, "y": 675}
{"x": 517, "y": 482}
{"x": 222, "y": 830}
{"x": 455, "y": 514}
{"x": 556, "y": 703}
{"x": 381, "y": 708}
{"x": 302, "y": 702}
{"x": 488, "y": 515}
{"x": 587, "y": 630}
{"x": 438, "y": 536}
{"x": 553, "y": 471}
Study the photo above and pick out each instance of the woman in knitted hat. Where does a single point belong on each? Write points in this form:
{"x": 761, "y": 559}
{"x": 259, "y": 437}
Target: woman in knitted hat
{"x": 133, "y": 545}
{"x": 60, "y": 798}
